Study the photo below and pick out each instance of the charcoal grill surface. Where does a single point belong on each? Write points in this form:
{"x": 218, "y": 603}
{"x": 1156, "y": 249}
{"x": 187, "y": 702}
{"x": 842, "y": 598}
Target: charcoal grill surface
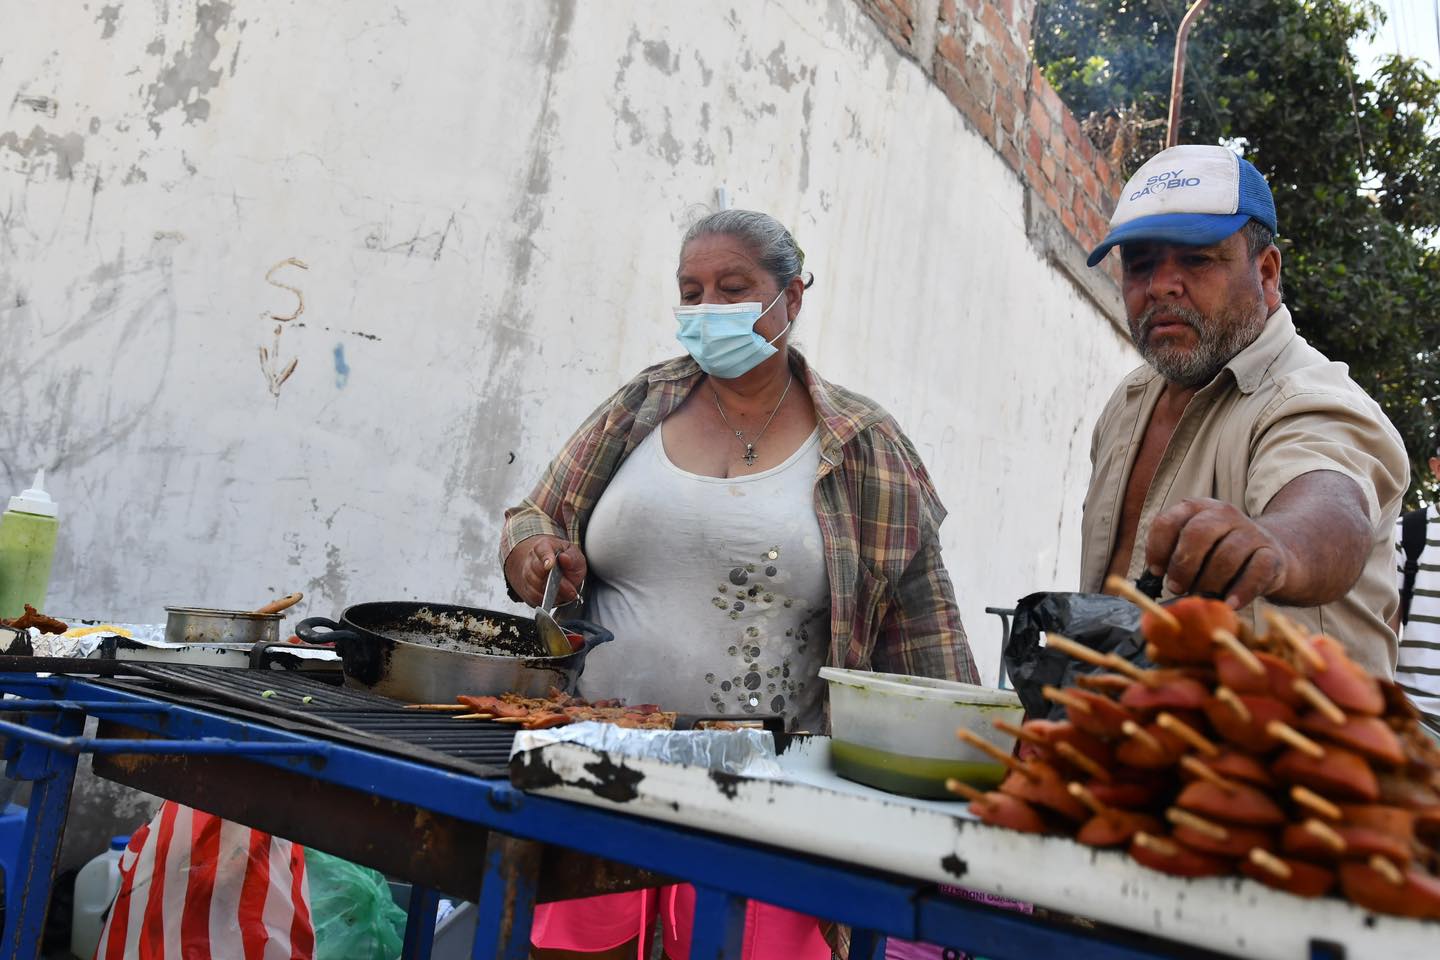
{"x": 354, "y": 717}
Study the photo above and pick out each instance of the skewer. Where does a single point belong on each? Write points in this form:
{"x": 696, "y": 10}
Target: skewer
{"x": 513, "y": 719}
{"x": 1187, "y": 733}
{"x": 438, "y": 707}
{"x": 1081, "y": 793}
{"x": 473, "y": 716}
{"x": 1319, "y": 701}
{"x": 1291, "y": 634}
{"x": 1079, "y": 651}
{"x": 1283, "y": 731}
{"x": 1387, "y": 870}
{"x": 1228, "y": 697}
{"x": 1067, "y": 700}
{"x": 1242, "y": 653}
{"x": 1309, "y": 798}
{"x": 963, "y": 789}
{"x": 1326, "y": 834}
{"x": 1152, "y": 653}
{"x": 1184, "y": 818}
{"x": 1109, "y": 683}
{"x": 1020, "y": 733}
{"x": 1270, "y": 863}
{"x": 1203, "y": 770}
{"x": 1073, "y": 754}
{"x": 1124, "y": 588}
{"x": 1118, "y": 663}
{"x": 1133, "y": 729}
{"x": 1156, "y": 844}
{"x": 994, "y": 752}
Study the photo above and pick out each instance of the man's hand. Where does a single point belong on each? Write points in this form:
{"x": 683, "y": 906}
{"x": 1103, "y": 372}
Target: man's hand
{"x": 529, "y": 565}
{"x": 1308, "y": 547}
{"x": 1209, "y": 546}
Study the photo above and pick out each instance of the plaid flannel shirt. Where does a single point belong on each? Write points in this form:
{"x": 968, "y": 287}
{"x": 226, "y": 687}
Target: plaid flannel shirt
{"x": 892, "y": 607}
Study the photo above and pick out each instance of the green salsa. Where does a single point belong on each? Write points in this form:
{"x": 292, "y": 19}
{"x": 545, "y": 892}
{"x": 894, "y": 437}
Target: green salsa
{"x": 912, "y": 776}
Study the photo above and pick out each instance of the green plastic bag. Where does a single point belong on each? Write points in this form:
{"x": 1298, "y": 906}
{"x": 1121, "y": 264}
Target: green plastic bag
{"x": 355, "y": 917}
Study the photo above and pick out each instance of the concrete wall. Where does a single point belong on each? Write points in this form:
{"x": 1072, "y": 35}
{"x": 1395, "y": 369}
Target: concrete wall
{"x": 469, "y": 214}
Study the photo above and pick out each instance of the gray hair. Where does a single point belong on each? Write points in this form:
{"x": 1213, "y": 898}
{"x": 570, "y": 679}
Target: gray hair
{"x": 774, "y": 247}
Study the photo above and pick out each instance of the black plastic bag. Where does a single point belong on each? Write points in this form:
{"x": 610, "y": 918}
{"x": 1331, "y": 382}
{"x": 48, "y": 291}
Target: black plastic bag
{"x": 1104, "y": 623}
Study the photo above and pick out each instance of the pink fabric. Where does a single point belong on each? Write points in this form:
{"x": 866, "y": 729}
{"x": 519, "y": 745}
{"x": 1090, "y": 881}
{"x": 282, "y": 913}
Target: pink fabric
{"x": 603, "y": 923}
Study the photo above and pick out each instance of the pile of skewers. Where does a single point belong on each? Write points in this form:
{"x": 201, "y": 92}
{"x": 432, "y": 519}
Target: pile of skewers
{"x": 1276, "y": 756}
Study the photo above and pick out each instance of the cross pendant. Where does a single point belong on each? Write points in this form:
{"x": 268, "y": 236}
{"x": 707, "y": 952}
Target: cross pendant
{"x": 750, "y": 454}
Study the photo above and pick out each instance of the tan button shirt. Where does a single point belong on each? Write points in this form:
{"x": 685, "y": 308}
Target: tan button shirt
{"x": 1278, "y": 410}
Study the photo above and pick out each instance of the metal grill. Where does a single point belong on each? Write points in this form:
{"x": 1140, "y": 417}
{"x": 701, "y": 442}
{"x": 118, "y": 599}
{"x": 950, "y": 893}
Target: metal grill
{"x": 309, "y": 705}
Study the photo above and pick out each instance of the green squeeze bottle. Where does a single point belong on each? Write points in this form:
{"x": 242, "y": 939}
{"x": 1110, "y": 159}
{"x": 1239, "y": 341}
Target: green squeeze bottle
{"x": 27, "y": 548}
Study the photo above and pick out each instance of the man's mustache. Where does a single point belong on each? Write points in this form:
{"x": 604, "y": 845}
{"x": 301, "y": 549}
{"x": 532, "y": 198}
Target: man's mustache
{"x": 1167, "y": 314}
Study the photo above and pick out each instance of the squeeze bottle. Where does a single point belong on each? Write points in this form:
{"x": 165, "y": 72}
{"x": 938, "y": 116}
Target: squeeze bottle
{"x": 27, "y": 549}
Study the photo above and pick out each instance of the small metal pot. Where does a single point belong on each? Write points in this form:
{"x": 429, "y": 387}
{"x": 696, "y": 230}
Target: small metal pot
{"x": 186, "y": 625}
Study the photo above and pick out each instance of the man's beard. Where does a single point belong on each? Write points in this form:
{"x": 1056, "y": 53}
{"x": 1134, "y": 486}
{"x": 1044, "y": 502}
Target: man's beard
{"x": 1218, "y": 340}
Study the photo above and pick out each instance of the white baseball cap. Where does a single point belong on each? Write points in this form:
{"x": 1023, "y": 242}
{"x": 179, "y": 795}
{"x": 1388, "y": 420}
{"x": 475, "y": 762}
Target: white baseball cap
{"x": 1193, "y": 195}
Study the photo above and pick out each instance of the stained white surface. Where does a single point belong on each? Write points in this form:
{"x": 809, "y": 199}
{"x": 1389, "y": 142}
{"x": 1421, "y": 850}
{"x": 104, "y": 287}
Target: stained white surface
{"x": 487, "y": 198}
{"x": 815, "y": 812}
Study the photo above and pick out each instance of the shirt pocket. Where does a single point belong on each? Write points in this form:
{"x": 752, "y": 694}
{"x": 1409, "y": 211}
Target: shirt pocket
{"x": 872, "y": 603}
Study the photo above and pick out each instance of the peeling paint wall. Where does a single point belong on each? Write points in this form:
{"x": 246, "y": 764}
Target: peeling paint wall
{"x": 301, "y": 296}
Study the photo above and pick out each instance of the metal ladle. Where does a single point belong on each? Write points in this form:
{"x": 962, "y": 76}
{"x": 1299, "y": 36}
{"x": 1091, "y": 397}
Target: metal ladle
{"x": 551, "y": 633}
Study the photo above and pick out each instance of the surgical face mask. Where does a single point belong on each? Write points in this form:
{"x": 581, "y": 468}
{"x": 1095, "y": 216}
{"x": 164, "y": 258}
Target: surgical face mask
{"x": 722, "y": 338}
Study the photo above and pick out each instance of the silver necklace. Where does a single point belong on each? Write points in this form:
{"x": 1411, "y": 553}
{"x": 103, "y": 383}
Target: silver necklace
{"x": 750, "y": 454}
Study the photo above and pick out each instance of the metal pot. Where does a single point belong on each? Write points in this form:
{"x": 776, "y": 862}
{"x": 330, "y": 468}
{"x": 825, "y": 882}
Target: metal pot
{"x": 187, "y": 625}
{"x": 389, "y": 649}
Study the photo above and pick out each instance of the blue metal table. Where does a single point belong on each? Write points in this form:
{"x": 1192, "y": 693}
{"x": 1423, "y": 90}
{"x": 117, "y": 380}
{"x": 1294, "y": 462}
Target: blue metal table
{"x": 44, "y": 731}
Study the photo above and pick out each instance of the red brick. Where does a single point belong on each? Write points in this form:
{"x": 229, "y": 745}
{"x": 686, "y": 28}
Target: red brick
{"x": 947, "y": 11}
{"x": 1052, "y": 199}
{"x": 1034, "y": 148}
{"x": 1067, "y": 217}
{"x": 1071, "y": 126}
{"x": 1032, "y": 174}
{"x": 1092, "y": 185}
{"x": 1075, "y": 165}
{"x": 953, "y": 85}
{"x": 1011, "y": 155}
{"x": 949, "y": 48}
{"x": 1039, "y": 119}
{"x": 1047, "y": 166}
{"x": 1005, "y": 110}
{"x": 990, "y": 19}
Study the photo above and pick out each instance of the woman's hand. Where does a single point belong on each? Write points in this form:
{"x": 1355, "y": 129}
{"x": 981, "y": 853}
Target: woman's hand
{"x": 529, "y": 564}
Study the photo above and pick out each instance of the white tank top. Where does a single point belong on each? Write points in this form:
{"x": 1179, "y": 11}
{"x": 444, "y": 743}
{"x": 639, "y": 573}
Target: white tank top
{"x": 715, "y": 588}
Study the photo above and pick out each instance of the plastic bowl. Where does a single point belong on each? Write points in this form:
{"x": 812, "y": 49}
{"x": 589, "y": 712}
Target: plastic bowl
{"x": 897, "y": 733}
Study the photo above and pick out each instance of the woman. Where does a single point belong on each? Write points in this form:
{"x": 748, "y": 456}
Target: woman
{"x": 741, "y": 523}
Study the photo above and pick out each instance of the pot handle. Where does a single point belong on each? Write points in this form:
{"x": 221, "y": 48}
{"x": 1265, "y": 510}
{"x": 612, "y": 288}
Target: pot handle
{"x": 334, "y": 633}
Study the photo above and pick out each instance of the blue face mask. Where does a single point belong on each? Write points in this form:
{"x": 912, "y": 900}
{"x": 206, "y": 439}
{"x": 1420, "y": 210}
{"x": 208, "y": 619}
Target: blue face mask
{"x": 722, "y": 338}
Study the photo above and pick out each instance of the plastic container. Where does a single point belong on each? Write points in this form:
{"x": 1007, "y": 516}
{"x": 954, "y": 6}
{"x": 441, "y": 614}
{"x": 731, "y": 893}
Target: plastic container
{"x": 897, "y": 733}
{"x": 27, "y": 549}
{"x": 95, "y": 889}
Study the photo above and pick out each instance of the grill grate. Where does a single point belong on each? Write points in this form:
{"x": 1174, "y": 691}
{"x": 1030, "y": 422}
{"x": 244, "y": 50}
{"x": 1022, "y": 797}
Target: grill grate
{"x": 354, "y": 717}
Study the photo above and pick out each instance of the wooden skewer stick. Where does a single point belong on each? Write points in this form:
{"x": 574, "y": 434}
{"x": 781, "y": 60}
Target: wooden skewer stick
{"x": 1081, "y": 793}
{"x": 1189, "y": 734}
{"x": 1063, "y": 697}
{"x": 1079, "y": 651}
{"x": 1137, "y": 732}
{"x": 1291, "y": 634}
{"x": 1199, "y": 768}
{"x": 1387, "y": 869}
{"x": 1152, "y": 653}
{"x": 1228, "y": 697}
{"x": 994, "y": 752}
{"x": 1319, "y": 701}
{"x": 1242, "y": 653}
{"x": 1270, "y": 863}
{"x": 438, "y": 707}
{"x": 1309, "y": 798}
{"x": 963, "y": 789}
{"x": 1120, "y": 665}
{"x": 1184, "y": 818}
{"x": 1283, "y": 731}
{"x": 1020, "y": 733}
{"x": 1326, "y": 834}
{"x": 1077, "y": 757}
{"x": 1156, "y": 844}
{"x": 1124, "y": 588}
{"x": 473, "y": 716}
{"x": 513, "y": 719}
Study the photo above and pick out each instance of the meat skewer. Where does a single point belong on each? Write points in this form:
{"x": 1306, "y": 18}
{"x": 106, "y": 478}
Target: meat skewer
{"x": 1110, "y": 827}
{"x": 1000, "y": 809}
{"x": 1312, "y": 800}
{"x": 1298, "y": 877}
{"x": 1172, "y": 724}
{"x": 1288, "y": 734}
{"x": 1338, "y": 772}
{"x": 1167, "y": 856}
{"x": 1243, "y": 719}
{"x": 1231, "y": 764}
{"x": 1089, "y": 711}
{"x": 1148, "y": 747}
{"x": 1240, "y": 804}
{"x": 1291, "y": 634}
{"x": 1369, "y": 736}
{"x": 1239, "y": 651}
{"x": 1218, "y": 839}
{"x": 1035, "y": 781}
{"x": 1382, "y": 886}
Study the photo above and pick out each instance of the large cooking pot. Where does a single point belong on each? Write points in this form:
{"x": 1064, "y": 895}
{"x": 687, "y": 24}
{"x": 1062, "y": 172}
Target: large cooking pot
{"x": 431, "y": 652}
{"x": 188, "y": 625}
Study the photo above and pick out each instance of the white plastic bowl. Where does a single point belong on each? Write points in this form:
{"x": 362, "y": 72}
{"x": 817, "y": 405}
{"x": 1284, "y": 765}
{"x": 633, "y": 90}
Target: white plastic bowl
{"x": 897, "y": 733}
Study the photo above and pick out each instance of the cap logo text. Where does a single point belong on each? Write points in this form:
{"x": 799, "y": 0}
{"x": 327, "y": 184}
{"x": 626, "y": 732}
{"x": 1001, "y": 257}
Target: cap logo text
{"x": 1170, "y": 180}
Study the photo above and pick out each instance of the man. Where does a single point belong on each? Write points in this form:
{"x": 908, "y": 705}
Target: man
{"x": 1418, "y": 671}
{"x": 1239, "y": 462}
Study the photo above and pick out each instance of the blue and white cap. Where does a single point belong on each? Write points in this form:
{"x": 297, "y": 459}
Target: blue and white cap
{"x": 1195, "y": 195}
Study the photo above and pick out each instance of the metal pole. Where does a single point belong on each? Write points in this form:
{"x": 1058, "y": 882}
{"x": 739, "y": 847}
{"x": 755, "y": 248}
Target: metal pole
{"x": 1177, "y": 74}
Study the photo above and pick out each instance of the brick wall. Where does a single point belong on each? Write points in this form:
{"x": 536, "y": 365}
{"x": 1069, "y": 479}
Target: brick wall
{"x": 978, "y": 53}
